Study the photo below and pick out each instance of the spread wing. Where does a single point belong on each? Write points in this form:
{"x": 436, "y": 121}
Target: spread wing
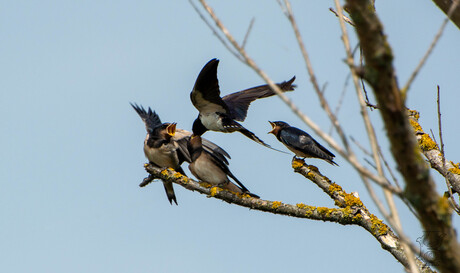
{"x": 302, "y": 141}
{"x": 151, "y": 119}
{"x": 205, "y": 95}
{"x": 238, "y": 102}
{"x": 182, "y": 137}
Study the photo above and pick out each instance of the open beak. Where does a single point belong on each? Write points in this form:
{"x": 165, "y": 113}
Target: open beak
{"x": 171, "y": 129}
{"x": 273, "y": 127}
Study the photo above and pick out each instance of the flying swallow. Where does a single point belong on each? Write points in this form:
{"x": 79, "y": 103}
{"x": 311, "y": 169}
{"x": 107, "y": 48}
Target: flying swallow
{"x": 206, "y": 167}
{"x": 222, "y": 114}
{"x": 299, "y": 142}
{"x": 166, "y": 146}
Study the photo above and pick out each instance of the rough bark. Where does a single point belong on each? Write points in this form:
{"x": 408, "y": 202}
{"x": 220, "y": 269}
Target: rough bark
{"x": 445, "y": 5}
{"x": 434, "y": 210}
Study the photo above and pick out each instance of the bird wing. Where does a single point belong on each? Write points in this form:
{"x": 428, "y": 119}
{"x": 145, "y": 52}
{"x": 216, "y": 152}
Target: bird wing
{"x": 302, "y": 141}
{"x": 151, "y": 119}
{"x": 223, "y": 166}
{"x": 238, "y": 102}
{"x": 205, "y": 95}
{"x": 183, "y": 136}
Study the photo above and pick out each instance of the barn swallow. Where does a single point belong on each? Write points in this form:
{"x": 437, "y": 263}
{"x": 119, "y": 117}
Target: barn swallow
{"x": 206, "y": 167}
{"x": 166, "y": 146}
{"x": 221, "y": 114}
{"x": 299, "y": 142}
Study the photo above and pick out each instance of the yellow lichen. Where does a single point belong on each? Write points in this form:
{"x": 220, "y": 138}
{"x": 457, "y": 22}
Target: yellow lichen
{"x": 455, "y": 165}
{"x": 177, "y": 175}
{"x": 213, "y": 191}
{"x": 415, "y": 125}
{"x": 334, "y": 187}
{"x": 443, "y": 206}
{"x": 414, "y": 114}
{"x": 455, "y": 170}
{"x": 276, "y": 204}
{"x": 378, "y": 226}
{"x": 351, "y": 200}
{"x": 164, "y": 172}
{"x": 297, "y": 163}
{"x": 324, "y": 211}
{"x": 301, "y": 205}
{"x": 426, "y": 143}
{"x": 205, "y": 184}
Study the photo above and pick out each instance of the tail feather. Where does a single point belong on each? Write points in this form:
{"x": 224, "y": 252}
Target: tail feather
{"x": 252, "y": 136}
{"x": 170, "y": 192}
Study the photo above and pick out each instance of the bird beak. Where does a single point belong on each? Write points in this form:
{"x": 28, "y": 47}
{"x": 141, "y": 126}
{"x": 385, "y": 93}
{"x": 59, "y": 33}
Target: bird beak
{"x": 273, "y": 128}
{"x": 171, "y": 129}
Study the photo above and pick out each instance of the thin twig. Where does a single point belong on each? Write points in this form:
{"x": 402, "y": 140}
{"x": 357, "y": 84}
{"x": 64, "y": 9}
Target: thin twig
{"x": 222, "y": 40}
{"x": 430, "y": 49}
{"x": 449, "y": 186}
{"x": 247, "y": 32}
{"x": 340, "y": 102}
{"x": 323, "y": 102}
{"x": 348, "y": 20}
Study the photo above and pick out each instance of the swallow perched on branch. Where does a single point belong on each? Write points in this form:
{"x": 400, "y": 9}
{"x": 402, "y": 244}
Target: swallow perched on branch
{"x": 299, "y": 142}
{"x": 221, "y": 114}
{"x": 206, "y": 167}
{"x": 166, "y": 146}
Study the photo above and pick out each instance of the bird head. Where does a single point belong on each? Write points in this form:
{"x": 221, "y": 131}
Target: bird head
{"x": 165, "y": 131}
{"x": 194, "y": 144}
{"x": 277, "y": 126}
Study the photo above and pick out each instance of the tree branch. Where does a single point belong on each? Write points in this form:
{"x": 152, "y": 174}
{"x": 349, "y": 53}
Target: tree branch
{"x": 445, "y": 6}
{"x": 434, "y": 210}
{"x": 432, "y": 153}
{"x": 351, "y": 210}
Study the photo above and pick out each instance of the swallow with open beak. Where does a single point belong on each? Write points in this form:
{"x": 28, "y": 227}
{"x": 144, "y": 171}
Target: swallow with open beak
{"x": 166, "y": 146}
{"x": 206, "y": 167}
{"x": 221, "y": 114}
{"x": 299, "y": 142}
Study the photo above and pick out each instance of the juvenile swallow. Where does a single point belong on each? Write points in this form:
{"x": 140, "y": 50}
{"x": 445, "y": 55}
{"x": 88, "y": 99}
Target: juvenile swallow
{"x": 299, "y": 142}
{"x": 221, "y": 114}
{"x": 166, "y": 146}
{"x": 206, "y": 167}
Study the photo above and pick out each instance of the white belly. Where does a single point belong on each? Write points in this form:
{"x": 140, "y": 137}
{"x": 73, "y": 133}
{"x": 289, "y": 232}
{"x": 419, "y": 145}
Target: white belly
{"x": 208, "y": 172}
{"x": 165, "y": 156}
{"x": 212, "y": 121}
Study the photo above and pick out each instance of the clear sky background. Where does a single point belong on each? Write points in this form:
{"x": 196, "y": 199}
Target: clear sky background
{"x": 71, "y": 144}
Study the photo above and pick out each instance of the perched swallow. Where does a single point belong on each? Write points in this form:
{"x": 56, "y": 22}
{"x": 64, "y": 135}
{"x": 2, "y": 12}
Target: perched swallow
{"x": 166, "y": 146}
{"x": 221, "y": 114}
{"x": 299, "y": 142}
{"x": 206, "y": 167}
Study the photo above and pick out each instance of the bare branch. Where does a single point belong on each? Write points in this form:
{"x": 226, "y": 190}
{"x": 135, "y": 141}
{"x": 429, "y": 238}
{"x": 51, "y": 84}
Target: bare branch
{"x": 432, "y": 153}
{"x": 434, "y": 211}
{"x": 247, "y": 33}
{"x": 222, "y": 40}
{"x": 345, "y": 18}
{"x": 351, "y": 210}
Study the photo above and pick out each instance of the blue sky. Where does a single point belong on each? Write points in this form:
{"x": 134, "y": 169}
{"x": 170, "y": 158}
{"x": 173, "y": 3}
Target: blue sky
{"x": 72, "y": 145}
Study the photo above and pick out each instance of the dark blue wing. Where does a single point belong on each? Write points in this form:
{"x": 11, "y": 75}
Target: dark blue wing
{"x": 151, "y": 119}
